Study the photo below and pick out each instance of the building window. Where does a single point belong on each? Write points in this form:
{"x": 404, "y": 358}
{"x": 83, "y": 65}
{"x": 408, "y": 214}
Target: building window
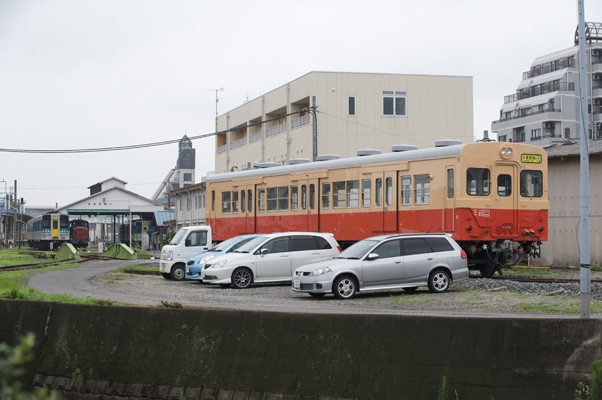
{"x": 503, "y": 138}
{"x": 395, "y": 103}
{"x": 187, "y": 176}
{"x": 351, "y": 106}
{"x": 535, "y": 134}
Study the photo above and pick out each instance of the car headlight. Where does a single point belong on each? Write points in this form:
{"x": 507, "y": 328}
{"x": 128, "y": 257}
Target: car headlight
{"x": 219, "y": 264}
{"x": 170, "y": 256}
{"x": 206, "y": 258}
{"x": 320, "y": 271}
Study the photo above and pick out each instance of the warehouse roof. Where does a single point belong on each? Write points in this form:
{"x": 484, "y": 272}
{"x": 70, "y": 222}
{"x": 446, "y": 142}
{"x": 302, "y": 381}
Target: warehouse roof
{"x": 573, "y": 149}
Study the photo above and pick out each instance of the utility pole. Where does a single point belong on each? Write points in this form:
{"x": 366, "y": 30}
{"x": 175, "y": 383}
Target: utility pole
{"x": 216, "y": 101}
{"x": 15, "y": 216}
{"x": 315, "y": 129}
{"x": 585, "y": 259}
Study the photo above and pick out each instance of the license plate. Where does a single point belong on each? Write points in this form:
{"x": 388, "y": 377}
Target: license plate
{"x": 296, "y": 284}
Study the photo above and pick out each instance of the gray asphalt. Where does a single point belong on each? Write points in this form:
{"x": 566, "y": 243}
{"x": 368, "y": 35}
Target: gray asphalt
{"x": 78, "y": 282}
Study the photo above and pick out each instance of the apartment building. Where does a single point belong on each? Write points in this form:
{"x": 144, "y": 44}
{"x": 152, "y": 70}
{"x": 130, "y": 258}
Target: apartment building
{"x": 354, "y": 111}
{"x": 545, "y": 107}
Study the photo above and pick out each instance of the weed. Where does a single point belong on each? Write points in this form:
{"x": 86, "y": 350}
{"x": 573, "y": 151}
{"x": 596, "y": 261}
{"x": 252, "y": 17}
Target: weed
{"x": 100, "y": 302}
{"x": 442, "y": 392}
{"x": 168, "y": 304}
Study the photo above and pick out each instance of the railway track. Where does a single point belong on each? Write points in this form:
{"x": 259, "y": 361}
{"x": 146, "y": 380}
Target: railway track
{"x": 534, "y": 280}
{"x": 85, "y": 258}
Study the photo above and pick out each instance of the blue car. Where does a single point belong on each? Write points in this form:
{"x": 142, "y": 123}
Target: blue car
{"x": 195, "y": 264}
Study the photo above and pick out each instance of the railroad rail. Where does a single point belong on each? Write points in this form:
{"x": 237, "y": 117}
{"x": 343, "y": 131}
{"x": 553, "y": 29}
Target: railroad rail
{"x": 85, "y": 258}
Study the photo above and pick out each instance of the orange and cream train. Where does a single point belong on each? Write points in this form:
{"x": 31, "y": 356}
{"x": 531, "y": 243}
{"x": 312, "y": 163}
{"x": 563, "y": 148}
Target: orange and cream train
{"x": 490, "y": 196}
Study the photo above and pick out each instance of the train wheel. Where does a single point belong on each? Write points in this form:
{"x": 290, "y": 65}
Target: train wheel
{"x": 488, "y": 269}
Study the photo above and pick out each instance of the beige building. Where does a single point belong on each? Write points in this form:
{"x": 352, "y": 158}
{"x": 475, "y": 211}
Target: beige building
{"x": 562, "y": 247}
{"x": 354, "y": 111}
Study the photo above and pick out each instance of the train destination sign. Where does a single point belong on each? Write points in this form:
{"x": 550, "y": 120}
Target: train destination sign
{"x": 531, "y": 158}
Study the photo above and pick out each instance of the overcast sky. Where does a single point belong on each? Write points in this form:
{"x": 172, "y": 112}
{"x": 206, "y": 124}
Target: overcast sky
{"x": 88, "y": 74}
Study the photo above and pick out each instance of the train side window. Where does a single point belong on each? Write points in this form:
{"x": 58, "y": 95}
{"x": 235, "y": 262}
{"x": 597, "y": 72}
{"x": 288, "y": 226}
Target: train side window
{"x": 389, "y": 191}
{"x": 283, "y": 198}
{"x": 379, "y": 191}
{"x": 353, "y": 194}
{"x": 406, "y": 190}
{"x": 272, "y": 199}
{"x": 235, "y": 202}
{"x": 294, "y": 198}
{"x": 303, "y": 197}
{"x": 250, "y": 200}
{"x": 325, "y": 196}
{"x": 477, "y": 181}
{"x": 504, "y": 185}
{"x": 213, "y": 200}
{"x": 261, "y": 200}
{"x": 338, "y": 195}
{"x": 450, "y": 183}
{"x": 531, "y": 183}
{"x": 312, "y": 195}
{"x": 422, "y": 189}
{"x": 366, "y": 195}
{"x": 242, "y": 201}
{"x": 225, "y": 202}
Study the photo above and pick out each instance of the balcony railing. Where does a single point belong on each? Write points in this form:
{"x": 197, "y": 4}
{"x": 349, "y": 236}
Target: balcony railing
{"x": 238, "y": 143}
{"x": 539, "y": 90}
{"x": 530, "y": 111}
{"x": 221, "y": 149}
{"x": 550, "y": 67}
{"x": 275, "y": 130}
{"x": 299, "y": 122}
{"x": 255, "y": 137}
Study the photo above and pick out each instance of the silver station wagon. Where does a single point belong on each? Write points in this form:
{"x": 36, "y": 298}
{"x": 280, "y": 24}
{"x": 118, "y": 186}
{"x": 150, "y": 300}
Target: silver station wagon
{"x": 384, "y": 262}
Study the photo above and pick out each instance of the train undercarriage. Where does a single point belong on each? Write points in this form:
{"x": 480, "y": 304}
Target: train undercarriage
{"x": 490, "y": 257}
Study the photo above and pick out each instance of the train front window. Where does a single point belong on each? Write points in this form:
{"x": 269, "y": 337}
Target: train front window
{"x": 338, "y": 194}
{"x": 366, "y": 183}
{"x": 406, "y": 190}
{"x": 504, "y": 185}
{"x": 477, "y": 181}
{"x": 46, "y": 222}
{"x": 225, "y": 202}
{"x": 531, "y": 183}
{"x": 326, "y": 196}
{"x": 422, "y": 189}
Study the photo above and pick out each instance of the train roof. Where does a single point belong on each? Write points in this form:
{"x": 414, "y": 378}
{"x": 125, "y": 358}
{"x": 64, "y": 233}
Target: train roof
{"x": 343, "y": 163}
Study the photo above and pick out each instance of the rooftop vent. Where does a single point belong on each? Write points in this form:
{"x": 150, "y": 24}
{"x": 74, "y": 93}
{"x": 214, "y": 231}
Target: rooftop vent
{"x": 294, "y": 161}
{"x": 268, "y": 164}
{"x": 368, "y": 152}
{"x": 327, "y": 157}
{"x": 403, "y": 147}
{"x": 447, "y": 142}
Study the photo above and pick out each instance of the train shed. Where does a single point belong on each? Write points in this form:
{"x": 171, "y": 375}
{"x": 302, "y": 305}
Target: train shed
{"x": 110, "y": 198}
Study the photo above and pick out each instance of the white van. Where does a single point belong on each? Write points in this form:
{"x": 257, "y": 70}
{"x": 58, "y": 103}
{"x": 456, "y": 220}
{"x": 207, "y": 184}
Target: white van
{"x": 188, "y": 241}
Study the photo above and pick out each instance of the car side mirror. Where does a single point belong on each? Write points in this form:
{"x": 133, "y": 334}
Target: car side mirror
{"x": 265, "y": 251}
{"x": 372, "y": 256}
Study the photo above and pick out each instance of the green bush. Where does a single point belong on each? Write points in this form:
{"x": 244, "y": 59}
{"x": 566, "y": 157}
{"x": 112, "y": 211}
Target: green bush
{"x": 167, "y": 238}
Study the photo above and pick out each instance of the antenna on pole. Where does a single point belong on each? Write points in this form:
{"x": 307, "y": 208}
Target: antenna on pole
{"x": 216, "y": 101}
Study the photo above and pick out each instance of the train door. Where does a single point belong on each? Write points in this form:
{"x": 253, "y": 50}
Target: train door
{"x": 247, "y": 207}
{"x": 505, "y": 195}
{"x": 55, "y": 226}
{"x": 450, "y": 202}
{"x": 385, "y": 200}
{"x": 308, "y": 204}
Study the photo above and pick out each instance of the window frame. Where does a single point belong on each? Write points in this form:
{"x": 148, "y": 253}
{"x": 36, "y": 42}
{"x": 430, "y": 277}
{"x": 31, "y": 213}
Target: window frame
{"x": 351, "y": 112}
{"x": 423, "y": 192}
{"x": 394, "y": 95}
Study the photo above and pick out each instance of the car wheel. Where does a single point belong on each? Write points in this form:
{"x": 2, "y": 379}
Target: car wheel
{"x": 178, "y": 273}
{"x": 344, "y": 287}
{"x": 317, "y": 295}
{"x": 165, "y": 275}
{"x": 410, "y": 289}
{"x": 242, "y": 278}
{"x": 439, "y": 281}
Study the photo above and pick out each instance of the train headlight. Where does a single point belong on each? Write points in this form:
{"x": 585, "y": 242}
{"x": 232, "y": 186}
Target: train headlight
{"x": 509, "y": 151}
{"x": 503, "y": 152}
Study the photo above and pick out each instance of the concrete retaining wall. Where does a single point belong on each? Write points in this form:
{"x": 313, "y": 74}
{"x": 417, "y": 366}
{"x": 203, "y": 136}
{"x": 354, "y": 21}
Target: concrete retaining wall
{"x": 208, "y": 353}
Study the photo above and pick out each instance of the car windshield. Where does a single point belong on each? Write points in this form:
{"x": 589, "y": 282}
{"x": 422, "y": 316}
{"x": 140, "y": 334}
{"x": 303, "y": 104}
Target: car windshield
{"x": 358, "y": 250}
{"x": 251, "y": 245}
{"x": 223, "y": 246}
{"x": 178, "y": 238}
